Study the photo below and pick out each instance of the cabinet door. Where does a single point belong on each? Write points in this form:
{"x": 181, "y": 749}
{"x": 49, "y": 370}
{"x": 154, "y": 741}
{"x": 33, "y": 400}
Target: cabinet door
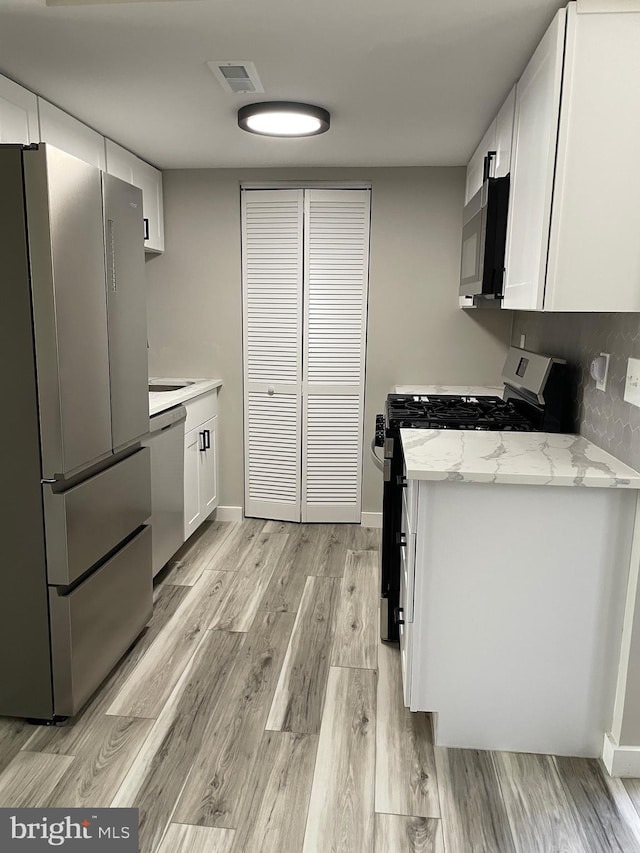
{"x": 18, "y": 114}
{"x": 208, "y": 486}
{"x": 150, "y": 182}
{"x": 120, "y": 162}
{"x": 533, "y": 161}
{"x": 192, "y": 469}
{"x": 68, "y": 134}
{"x": 504, "y": 136}
{"x": 126, "y": 166}
{"x": 475, "y": 169}
{"x": 126, "y": 311}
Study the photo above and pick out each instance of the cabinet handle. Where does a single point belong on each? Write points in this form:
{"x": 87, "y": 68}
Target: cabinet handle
{"x": 146, "y": 227}
{"x": 396, "y": 615}
{"x": 203, "y": 444}
{"x": 207, "y": 439}
{"x": 486, "y": 169}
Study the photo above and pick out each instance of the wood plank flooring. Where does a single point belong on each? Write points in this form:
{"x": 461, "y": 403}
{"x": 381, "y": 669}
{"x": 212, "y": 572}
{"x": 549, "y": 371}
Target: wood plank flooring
{"x": 259, "y": 713}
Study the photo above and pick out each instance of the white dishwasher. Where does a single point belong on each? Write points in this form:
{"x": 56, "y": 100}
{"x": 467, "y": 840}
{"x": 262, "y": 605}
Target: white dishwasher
{"x": 166, "y": 442}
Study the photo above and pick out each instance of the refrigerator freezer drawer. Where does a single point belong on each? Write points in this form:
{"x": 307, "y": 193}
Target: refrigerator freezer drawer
{"x": 94, "y": 625}
{"x": 89, "y": 520}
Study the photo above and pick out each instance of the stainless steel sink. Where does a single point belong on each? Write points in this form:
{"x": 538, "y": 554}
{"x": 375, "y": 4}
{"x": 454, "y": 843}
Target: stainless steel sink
{"x": 173, "y": 386}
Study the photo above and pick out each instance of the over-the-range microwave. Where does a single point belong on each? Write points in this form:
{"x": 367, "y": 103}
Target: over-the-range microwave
{"x": 484, "y": 235}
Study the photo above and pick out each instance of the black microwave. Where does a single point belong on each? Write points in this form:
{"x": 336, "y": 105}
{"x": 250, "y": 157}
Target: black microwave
{"x": 484, "y": 235}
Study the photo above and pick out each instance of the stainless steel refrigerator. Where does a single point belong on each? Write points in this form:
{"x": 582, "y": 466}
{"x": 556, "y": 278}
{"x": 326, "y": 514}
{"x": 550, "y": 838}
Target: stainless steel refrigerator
{"x": 75, "y": 566}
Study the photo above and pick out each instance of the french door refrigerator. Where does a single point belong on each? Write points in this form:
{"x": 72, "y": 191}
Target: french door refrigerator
{"x": 75, "y": 569}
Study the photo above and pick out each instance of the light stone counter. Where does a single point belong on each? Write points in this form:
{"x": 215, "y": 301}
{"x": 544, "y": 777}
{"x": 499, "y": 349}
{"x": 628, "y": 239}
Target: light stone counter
{"x": 160, "y": 401}
{"x": 537, "y": 458}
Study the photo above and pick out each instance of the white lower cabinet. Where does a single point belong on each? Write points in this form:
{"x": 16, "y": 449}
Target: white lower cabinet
{"x": 200, "y": 462}
{"x": 513, "y": 635}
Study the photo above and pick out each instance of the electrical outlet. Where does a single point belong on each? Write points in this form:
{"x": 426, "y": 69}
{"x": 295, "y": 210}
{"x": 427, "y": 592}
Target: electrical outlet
{"x": 601, "y": 384}
{"x": 632, "y": 382}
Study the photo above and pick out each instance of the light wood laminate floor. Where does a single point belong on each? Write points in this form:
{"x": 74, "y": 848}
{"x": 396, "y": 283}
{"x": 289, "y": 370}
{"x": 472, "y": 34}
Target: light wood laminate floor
{"x": 259, "y": 713}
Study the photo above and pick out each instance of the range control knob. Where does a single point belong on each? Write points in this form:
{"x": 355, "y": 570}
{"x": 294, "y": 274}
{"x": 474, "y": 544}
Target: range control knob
{"x": 379, "y": 434}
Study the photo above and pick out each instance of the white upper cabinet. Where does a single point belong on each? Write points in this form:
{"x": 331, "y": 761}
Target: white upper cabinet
{"x": 68, "y": 134}
{"x": 533, "y": 160}
{"x": 476, "y": 166}
{"x": 125, "y": 165}
{"x": 18, "y": 114}
{"x": 497, "y": 139}
{"x": 574, "y": 218}
{"x": 504, "y": 136}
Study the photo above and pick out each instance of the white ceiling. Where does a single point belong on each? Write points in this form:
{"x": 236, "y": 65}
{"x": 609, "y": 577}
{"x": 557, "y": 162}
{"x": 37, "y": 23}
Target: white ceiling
{"x": 407, "y": 82}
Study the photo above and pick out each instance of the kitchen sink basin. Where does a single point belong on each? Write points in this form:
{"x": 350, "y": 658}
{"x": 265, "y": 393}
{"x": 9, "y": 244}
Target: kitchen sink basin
{"x": 169, "y": 386}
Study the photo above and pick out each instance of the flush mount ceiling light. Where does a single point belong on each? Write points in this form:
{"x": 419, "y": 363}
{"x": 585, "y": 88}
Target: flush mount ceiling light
{"x": 283, "y": 118}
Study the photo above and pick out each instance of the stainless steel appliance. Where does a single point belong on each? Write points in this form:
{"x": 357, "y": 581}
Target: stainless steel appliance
{"x": 484, "y": 235}
{"x": 76, "y": 563}
{"x": 536, "y": 397}
{"x": 166, "y": 443}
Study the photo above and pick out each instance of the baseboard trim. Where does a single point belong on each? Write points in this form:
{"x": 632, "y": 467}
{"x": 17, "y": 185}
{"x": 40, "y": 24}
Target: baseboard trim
{"x": 371, "y": 519}
{"x": 229, "y": 513}
{"x": 620, "y": 761}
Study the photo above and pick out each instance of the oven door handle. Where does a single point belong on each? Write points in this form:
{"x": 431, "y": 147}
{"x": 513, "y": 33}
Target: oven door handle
{"x": 379, "y": 463}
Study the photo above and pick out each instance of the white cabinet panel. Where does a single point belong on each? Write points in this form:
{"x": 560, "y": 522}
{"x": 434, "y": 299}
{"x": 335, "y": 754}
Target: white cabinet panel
{"x": 200, "y": 461}
{"x": 67, "y": 133}
{"x": 18, "y": 114}
{"x": 504, "y": 136}
{"x": 594, "y": 254}
{"x": 191, "y": 482}
{"x": 125, "y": 165}
{"x": 149, "y": 180}
{"x": 208, "y": 486}
{"x": 475, "y": 169}
{"x": 533, "y": 161}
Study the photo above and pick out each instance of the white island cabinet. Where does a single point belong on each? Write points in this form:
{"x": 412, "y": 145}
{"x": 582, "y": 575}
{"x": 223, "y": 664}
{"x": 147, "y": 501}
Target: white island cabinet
{"x": 514, "y": 577}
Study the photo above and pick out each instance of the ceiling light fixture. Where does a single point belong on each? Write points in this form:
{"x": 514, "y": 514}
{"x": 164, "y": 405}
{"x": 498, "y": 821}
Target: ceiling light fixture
{"x": 283, "y": 118}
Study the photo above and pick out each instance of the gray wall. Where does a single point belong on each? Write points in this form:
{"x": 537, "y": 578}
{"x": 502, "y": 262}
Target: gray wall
{"x": 603, "y": 417}
{"x": 416, "y": 332}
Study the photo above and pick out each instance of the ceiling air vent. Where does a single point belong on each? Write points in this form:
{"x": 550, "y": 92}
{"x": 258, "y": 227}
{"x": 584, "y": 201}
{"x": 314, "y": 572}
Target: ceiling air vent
{"x": 238, "y": 78}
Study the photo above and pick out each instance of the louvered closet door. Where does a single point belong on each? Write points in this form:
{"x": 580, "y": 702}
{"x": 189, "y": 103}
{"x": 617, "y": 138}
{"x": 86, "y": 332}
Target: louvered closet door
{"x": 336, "y": 283}
{"x": 272, "y": 295}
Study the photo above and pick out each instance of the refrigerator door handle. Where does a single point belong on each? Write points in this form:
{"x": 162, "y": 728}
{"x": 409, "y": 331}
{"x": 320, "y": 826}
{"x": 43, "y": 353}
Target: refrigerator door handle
{"x": 111, "y": 254}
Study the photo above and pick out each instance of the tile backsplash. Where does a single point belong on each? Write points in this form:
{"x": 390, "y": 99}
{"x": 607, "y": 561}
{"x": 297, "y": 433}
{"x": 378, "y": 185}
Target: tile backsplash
{"x": 602, "y": 417}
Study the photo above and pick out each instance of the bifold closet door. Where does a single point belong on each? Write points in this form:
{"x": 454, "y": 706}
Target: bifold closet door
{"x": 336, "y": 273}
{"x": 272, "y": 237}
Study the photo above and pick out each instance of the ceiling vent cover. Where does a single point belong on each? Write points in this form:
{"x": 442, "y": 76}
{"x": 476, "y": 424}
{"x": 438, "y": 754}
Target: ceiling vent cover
{"x": 238, "y": 78}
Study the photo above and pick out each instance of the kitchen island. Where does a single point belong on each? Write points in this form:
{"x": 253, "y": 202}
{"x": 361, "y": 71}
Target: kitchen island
{"x": 515, "y": 575}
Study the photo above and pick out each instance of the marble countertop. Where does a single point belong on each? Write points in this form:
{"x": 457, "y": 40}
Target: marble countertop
{"x": 536, "y": 458}
{"x": 160, "y": 401}
{"x": 456, "y": 390}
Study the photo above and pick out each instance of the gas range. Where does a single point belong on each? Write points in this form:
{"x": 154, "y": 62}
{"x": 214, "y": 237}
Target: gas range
{"x": 444, "y": 411}
{"x": 536, "y": 397}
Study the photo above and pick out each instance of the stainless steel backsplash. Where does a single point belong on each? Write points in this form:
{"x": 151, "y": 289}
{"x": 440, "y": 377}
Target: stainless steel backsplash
{"x": 601, "y": 416}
